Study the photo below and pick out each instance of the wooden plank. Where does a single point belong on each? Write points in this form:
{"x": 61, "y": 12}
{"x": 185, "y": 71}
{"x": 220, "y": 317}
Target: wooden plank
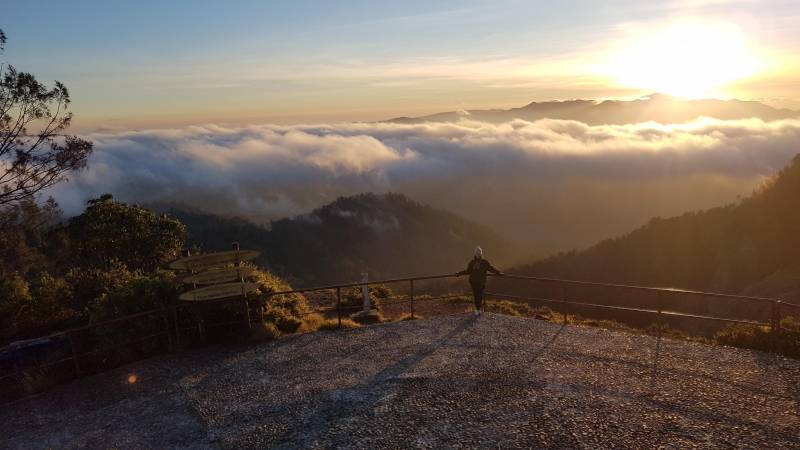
{"x": 215, "y": 276}
{"x": 217, "y": 291}
{"x": 210, "y": 260}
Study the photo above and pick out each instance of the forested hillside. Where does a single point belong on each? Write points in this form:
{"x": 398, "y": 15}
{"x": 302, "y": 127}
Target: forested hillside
{"x": 752, "y": 247}
{"x": 385, "y": 235}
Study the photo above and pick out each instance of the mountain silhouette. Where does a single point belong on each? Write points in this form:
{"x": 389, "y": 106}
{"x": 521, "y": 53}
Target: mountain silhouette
{"x": 749, "y": 248}
{"x": 657, "y": 107}
{"x": 386, "y": 235}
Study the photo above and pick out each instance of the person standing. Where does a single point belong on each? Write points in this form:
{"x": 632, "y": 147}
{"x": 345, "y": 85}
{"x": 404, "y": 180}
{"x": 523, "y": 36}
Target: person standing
{"x": 477, "y": 269}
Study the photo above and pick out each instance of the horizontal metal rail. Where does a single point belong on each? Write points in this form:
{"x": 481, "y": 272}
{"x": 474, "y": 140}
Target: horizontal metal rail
{"x": 642, "y": 288}
{"x": 361, "y": 283}
{"x": 624, "y": 308}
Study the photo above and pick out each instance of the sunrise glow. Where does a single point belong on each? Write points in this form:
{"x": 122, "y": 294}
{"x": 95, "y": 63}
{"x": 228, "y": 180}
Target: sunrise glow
{"x": 689, "y": 59}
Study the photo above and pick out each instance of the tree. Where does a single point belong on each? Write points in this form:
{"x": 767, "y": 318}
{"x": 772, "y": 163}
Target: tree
{"x": 33, "y": 160}
{"x": 110, "y": 231}
{"x": 25, "y": 235}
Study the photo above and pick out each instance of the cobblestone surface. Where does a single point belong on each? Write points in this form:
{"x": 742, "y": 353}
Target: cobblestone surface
{"x": 454, "y": 381}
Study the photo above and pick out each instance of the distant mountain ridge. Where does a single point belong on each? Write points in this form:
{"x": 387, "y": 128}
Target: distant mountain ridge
{"x": 657, "y": 107}
{"x": 386, "y": 235}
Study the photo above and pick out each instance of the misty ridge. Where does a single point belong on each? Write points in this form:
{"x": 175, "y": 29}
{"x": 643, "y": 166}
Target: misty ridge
{"x": 386, "y": 235}
{"x": 550, "y": 184}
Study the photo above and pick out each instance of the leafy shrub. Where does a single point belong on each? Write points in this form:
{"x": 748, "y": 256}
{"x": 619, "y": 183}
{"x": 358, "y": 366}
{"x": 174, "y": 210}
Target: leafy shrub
{"x": 90, "y": 283}
{"x": 136, "y": 294}
{"x": 286, "y": 311}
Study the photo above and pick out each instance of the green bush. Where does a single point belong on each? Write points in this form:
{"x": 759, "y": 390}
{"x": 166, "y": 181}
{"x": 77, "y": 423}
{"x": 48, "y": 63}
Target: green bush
{"x": 139, "y": 293}
{"x": 90, "y": 283}
{"x": 135, "y": 294}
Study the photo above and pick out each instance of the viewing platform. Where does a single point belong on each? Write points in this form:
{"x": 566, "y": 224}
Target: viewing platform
{"x": 489, "y": 381}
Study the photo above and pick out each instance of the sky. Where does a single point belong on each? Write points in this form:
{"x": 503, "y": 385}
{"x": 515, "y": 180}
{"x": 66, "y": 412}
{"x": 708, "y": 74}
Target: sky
{"x": 156, "y": 64}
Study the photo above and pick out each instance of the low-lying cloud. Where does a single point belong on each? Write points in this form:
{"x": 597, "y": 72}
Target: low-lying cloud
{"x": 551, "y": 183}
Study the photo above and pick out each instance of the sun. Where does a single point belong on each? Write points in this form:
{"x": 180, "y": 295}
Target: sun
{"x": 689, "y": 59}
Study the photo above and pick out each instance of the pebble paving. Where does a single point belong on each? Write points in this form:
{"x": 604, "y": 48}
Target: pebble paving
{"x": 457, "y": 381}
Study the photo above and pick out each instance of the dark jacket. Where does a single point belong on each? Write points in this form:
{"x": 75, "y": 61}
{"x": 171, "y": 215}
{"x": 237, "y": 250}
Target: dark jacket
{"x": 476, "y": 269}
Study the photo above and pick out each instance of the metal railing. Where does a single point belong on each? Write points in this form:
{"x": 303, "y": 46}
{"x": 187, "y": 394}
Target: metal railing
{"x": 776, "y": 305}
{"x": 175, "y": 331}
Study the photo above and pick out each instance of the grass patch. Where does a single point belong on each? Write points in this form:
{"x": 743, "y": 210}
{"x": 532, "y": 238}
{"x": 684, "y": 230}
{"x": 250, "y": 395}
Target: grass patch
{"x": 265, "y": 331}
{"x": 786, "y": 342}
{"x": 408, "y": 316}
{"x": 333, "y": 324}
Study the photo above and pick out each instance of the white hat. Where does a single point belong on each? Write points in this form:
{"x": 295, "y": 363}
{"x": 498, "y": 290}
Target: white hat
{"x": 478, "y": 252}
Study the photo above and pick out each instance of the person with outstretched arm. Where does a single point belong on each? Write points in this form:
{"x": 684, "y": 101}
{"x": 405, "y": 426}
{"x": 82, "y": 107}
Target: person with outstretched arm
{"x": 476, "y": 269}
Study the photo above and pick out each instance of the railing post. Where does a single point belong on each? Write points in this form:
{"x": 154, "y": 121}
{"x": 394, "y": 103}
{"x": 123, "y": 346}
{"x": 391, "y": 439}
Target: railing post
{"x": 247, "y": 312}
{"x": 412, "y": 298}
{"x": 339, "y": 306}
{"x": 563, "y": 299}
{"x": 775, "y": 322}
{"x": 74, "y": 355}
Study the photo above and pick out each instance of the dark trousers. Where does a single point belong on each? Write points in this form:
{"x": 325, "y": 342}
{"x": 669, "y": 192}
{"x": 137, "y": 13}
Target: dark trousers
{"x": 477, "y": 293}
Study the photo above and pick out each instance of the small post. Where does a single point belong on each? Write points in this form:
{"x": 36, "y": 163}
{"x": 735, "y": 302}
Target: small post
{"x": 235, "y": 247}
{"x": 775, "y": 322}
{"x": 339, "y": 305}
{"x": 660, "y": 309}
{"x": 74, "y": 355}
{"x": 365, "y": 291}
{"x": 412, "y": 298}
{"x": 246, "y": 311}
{"x": 563, "y": 299}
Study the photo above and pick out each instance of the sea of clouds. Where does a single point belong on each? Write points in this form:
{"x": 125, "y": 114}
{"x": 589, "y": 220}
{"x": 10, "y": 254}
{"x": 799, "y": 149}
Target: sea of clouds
{"x": 554, "y": 184}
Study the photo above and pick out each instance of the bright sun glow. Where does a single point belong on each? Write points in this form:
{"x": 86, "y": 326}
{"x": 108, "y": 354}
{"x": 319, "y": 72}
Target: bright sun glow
{"x": 693, "y": 59}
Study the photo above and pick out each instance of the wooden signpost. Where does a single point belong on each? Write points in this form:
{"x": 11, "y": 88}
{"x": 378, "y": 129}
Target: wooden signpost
{"x": 217, "y": 291}
{"x": 211, "y": 260}
{"x": 215, "y": 276}
{"x": 222, "y": 282}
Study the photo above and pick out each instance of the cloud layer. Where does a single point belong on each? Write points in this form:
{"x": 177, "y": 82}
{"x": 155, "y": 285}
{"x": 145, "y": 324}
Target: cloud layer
{"x": 551, "y": 183}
